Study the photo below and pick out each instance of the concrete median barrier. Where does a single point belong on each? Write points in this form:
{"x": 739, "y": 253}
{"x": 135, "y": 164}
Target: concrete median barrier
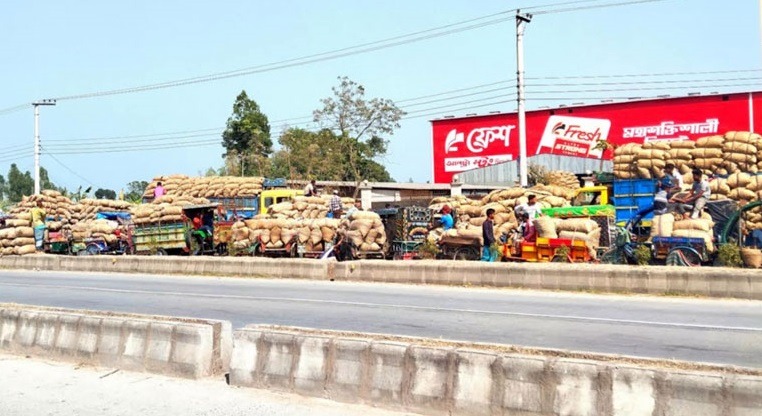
{"x": 703, "y": 281}
{"x": 182, "y": 347}
{"x": 436, "y": 377}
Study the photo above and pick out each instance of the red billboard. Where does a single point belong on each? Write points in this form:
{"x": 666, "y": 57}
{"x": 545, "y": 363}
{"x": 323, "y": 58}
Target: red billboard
{"x": 467, "y": 143}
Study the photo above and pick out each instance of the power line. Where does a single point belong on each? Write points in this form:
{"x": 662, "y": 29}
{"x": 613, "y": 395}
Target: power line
{"x": 544, "y": 6}
{"x": 597, "y": 6}
{"x": 324, "y": 56}
{"x": 71, "y": 170}
{"x": 657, "y": 74}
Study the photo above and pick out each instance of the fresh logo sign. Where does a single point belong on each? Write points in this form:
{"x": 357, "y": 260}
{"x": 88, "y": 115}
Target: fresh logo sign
{"x": 479, "y": 139}
{"x": 575, "y": 136}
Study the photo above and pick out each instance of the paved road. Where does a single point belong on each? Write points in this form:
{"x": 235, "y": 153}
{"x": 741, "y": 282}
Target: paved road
{"x": 707, "y": 330}
{"x": 55, "y": 388}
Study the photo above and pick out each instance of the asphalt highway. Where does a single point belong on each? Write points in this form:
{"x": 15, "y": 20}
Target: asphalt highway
{"x": 705, "y": 330}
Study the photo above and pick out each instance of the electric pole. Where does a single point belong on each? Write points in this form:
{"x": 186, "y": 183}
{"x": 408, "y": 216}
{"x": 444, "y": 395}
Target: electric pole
{"x": 521, "y": 21}
{"x": 37, "y": 105}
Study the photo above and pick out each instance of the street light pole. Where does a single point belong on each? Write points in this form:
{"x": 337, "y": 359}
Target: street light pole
{"x": 37, "y": 105}
{"x": 521, "y": 21}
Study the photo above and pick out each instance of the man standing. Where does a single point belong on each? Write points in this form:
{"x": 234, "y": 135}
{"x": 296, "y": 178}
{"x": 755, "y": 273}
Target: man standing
{"x": 530, "y": 207}
{"x": 309, "y": 190}
{"x": 334, "y": 205}
{"x": 38, "y": 223}
{"x": 159, "y": 191}
{"x": 697, "y": 197}
{"x": 488, "y": 235}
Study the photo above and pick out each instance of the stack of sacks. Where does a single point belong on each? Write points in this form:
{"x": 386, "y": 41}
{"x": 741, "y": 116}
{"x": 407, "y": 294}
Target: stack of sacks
{"x": 696, "y": 228}
{"x": 207, "y": 186}
{"x": 165, "y": 210}
{"x": 563, "y": 179}
{"x": 365, "y": 230}
{"x": 707, "y": 155}
{"x": 277, "y": 233}
{"x": 651, "y": 159}
{"x": 672, "y": 225}
{"x": 752, "y": 219}
{"x": 88, "y": 208}
{"x": 552, "y": 195}
{"x": 56, "y": 205}
{"x": 583, "y": 229}
{"x": 624, "y": 161}
{"x": 663, "y": 225}
{"x": 680, "y": 154}
{"x": 743, "y": 187}
{"x": 306, "y": 207}
{"x": 18, "y": 235}
{"x": 740, "y": 151}
{"x": 719, "y": 187}
{"x": 101, "y": 229}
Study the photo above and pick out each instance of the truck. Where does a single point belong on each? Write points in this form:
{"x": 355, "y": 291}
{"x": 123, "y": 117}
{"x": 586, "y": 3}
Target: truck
{"x": 244, "y": 207}
{"x": 179, "y": 237}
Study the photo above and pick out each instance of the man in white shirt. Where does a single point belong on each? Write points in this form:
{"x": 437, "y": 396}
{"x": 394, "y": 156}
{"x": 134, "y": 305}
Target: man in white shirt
{"x": 531, "y": 208}
{"x": 309, "y": 190}
{"x": 697, "y": 197}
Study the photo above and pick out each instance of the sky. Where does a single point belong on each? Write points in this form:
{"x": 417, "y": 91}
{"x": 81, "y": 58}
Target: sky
{"x": 58, "y": 49}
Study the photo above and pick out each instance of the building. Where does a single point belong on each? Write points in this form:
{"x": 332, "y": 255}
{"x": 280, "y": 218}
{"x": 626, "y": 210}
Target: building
{"x": 484, "y": 149}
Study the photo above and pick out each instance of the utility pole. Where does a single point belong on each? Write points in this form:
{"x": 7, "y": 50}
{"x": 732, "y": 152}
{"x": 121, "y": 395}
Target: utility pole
{"x": 521, "y": 21}
{"x": 37, "y": 105}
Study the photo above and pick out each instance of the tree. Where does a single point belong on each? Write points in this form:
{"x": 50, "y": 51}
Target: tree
{"x": 361, "y": 124}
{"x": 3, "y": 188}
{"x": 309, "y": 155}
{"x": 247, "y": 135}
{"x": 135, "y": 191}
{"x": 19, "y": 184}
{"x": 105, "y": 194}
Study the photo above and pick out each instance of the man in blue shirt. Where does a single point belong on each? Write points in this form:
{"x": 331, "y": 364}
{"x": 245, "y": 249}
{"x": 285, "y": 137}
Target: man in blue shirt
{"x": 446, "y": 220}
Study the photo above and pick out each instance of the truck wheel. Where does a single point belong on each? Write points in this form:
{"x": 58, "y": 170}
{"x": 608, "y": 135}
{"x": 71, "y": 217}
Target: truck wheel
{"x": 466, "y": 253}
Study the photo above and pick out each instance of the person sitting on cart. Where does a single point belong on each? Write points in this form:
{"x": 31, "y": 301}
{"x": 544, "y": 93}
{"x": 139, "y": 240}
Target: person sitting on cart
{"x": 530, "y": 207}
{"x": 207, "y": 222}
{"x": 665, "y": 188}
{"x": 696, "y": 199}
{"x": 527, "y": 232}
{"x": 446, "y": 220}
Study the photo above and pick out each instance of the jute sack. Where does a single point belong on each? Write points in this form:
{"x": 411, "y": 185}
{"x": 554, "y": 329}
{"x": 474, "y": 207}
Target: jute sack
{"x": 546, "y": 227}
{"x": 662, "y": 225}
{"x": 693, "y": 224}
{"x": 582, "y": 225}
{"x": 751, "y": 257}
{"x": 682, "y": 144}
{"x": 711, "y": 141}
{"x": 27, "y": 249}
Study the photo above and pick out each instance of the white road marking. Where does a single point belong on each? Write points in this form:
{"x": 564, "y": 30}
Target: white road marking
{"x": 399, "y": 306}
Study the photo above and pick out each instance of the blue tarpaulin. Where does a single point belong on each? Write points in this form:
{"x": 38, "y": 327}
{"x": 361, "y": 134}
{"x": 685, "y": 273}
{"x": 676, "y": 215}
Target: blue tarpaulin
{"x": 113, "y": 216}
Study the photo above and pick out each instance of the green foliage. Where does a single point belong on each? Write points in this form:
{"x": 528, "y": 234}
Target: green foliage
{"x": 246, "y": 138}
{"x": 105, "y": 193}
{"x": 428, "y": 250}
{"x": 729, "y": 255}
{"x": 562, "y": 254}
{"x": 642, "y": 255}
{"x": 361, "y": 125}
{"x": 19, "y": 184}
{"x": 135, "y": 191}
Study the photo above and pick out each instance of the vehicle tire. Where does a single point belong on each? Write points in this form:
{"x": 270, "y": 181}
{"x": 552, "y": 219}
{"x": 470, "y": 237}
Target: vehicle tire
{"x": 161, "y": 252}
{"x": 683, "y": 256}
{"x": 93, "y": 250}
{"x": 466, "y": 253}
{"x": 613, "y": 256}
